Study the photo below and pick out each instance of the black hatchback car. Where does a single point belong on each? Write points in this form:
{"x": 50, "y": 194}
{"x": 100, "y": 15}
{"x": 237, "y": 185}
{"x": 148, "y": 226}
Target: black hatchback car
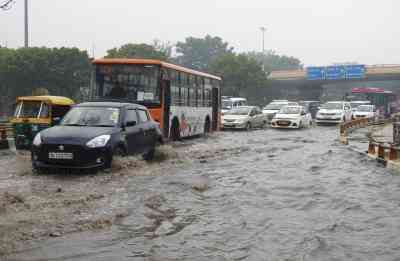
{"x": 92, "y": 133}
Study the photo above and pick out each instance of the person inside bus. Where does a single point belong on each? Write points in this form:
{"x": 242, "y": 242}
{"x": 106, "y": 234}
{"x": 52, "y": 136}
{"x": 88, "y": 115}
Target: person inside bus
{"x": 117, "y": 92}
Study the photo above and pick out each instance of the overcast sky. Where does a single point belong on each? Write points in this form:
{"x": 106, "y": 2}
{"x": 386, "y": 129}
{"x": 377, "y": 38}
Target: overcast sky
{"x": 319, "y": 32}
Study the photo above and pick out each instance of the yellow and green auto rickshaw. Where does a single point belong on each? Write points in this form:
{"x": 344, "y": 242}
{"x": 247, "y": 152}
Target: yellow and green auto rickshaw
{"x": 35, "y": 113}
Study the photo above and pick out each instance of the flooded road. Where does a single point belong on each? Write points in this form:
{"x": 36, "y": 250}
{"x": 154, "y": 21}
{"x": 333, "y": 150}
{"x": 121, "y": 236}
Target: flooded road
{"x": 259, "y": 195}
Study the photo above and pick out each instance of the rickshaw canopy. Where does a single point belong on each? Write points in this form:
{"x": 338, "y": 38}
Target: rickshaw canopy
{"x": 56, "y": 100}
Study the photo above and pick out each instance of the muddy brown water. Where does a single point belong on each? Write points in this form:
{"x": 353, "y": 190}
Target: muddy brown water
{"x": 261, "y": 195}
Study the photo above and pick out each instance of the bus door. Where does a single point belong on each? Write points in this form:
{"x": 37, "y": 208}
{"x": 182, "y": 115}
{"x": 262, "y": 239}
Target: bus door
{"x": 166, "y": 90}
{"x": 215, "y": 108}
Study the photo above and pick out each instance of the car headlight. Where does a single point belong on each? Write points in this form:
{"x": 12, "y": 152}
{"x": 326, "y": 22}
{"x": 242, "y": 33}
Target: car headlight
{"x": 37, "y": 141}
{"x": 99, "y": 141}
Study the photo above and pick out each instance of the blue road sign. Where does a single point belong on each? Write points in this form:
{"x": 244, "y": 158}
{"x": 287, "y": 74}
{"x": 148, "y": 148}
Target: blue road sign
{"x": 335, "y": 72}
{"x": 355, "y": 71}
{"x": 316, "y": 73}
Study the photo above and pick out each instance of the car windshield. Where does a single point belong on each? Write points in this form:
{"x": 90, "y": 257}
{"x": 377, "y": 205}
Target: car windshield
{"x": 226, "y": 104}
{"x": 239, "y": 111}
{"x": 332, "y": 106}
{"x": 92, "y": 116}
{"x": 274, "y": 106}
{"x": 364, "y": 108}
{"x": 290, "y": 110}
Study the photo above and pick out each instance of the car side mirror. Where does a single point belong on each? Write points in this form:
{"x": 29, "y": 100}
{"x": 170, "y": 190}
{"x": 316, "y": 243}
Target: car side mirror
{"x": 130, "y": 123}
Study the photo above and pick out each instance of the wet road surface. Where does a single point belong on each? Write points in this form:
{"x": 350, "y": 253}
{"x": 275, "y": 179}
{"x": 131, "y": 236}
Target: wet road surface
{"x": 262, "y": 195}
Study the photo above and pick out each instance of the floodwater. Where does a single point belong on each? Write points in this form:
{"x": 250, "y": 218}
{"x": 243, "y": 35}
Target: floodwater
{"x": 259, "y": 195}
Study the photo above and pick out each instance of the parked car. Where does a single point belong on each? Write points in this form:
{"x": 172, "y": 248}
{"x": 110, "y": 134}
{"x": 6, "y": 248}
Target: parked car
{"x": 311, "y": 106}
{"x": 245, "y": 117}
{"x": 92, "y": 133}
{"x": 292, "y": 117}
{"x": 365, "y": 111}
{"x": 273, "y": 107}
{"x": 334, "y": 112}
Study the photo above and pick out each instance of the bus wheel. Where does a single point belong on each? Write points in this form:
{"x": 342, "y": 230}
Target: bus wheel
{"x": 207, "y": 126}
{"x": 175, "y": 132}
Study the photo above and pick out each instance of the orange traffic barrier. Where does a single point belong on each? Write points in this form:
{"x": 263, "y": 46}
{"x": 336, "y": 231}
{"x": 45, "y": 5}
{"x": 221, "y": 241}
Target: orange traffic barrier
{"x": 381, "y": 151}
{"x": 371, "y": 148}
{"x": 392, "y": 153}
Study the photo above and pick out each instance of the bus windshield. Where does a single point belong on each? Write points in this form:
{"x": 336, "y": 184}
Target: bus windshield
{"x": 136, "y": 83}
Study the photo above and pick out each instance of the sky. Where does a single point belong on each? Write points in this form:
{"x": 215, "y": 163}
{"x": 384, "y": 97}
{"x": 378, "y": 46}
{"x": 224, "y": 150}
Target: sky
{"x": 318, "y": 32}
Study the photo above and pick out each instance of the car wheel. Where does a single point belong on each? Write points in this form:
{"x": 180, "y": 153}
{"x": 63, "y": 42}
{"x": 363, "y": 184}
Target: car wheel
{"x": 150, "y": 154}
{"x": 264, "y": 125}
{"x": 248, "y": 126}
{"x": 117, "y": 152}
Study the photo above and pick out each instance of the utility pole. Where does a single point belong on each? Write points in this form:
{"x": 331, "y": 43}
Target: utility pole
{"x": 26, "y": 25}
{"x": 263, "y": 29}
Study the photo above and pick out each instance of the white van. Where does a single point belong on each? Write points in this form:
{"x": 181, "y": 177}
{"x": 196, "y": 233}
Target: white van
{"x": 232, "y": 102}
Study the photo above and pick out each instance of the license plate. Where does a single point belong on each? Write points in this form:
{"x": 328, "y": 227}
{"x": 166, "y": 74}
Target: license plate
{"x": 284, "y": 122}
{"x": 61, "y": 155}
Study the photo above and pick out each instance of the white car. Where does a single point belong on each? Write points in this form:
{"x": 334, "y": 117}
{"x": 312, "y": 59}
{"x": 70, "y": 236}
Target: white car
{"x": 292, "y": 117}
{"x": 365, "y": 111}
{"x": 334, "y": 112}
{"x": 272, "y": 108}
{"x": 245, "y": 117}
{"x": 355, "y": 104}
{"x": 231, "y": 103}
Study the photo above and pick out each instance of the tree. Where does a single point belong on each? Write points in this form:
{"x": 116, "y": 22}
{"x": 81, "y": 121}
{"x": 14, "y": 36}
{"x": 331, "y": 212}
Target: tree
{"x": 273, "y": 61}
{"x": 157, "y": 51}
{"x": 200, "y": 53}
{"x": 62, "y": 71}
{"x": 242, "y": 75}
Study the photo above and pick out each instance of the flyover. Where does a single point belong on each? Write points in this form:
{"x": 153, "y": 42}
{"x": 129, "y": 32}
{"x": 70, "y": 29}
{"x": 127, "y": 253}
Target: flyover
{"x": 379, "y": 72}
{"x": 293, "y": 84}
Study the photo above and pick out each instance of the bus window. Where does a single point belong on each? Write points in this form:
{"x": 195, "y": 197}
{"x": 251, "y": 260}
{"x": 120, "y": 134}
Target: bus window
{"x": 138, "y": 83}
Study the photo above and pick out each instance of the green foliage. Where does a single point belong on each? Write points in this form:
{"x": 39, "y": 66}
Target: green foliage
{"x": 62, "y": 71}
{"x": 40, "y": 91}
{"x": 200, "y": 53}
{"x": 273, "y": 61}
{"x": 159, "y": 51}
{"x": 242, "y": 75}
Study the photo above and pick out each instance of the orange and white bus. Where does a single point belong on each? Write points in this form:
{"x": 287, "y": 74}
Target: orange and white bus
{"x": 185, "y": 102}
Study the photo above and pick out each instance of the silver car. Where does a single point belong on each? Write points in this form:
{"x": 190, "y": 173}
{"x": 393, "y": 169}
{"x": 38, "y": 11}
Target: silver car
{"x": 244, "y": 117}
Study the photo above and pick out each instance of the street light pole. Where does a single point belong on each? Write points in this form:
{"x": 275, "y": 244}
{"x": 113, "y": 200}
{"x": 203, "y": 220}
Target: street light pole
{"x": 26, "y": 24}
{"x": 263, "y": 29}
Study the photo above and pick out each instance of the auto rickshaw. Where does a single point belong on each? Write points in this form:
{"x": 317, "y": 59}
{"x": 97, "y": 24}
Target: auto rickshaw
{"x": 35, "y": 113}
